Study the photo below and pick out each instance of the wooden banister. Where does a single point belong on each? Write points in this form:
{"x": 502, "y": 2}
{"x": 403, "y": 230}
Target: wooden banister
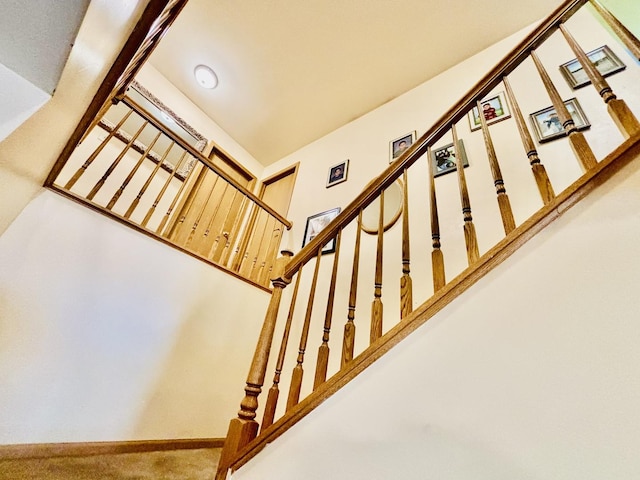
{"x": 437, "y": 131}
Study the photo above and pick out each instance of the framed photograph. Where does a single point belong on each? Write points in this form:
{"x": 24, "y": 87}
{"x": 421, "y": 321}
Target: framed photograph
{"x": 443, "y": 159}
{"x": 494, "y": 108}
{"x": 398, "y": 146}
{"x": 338, "y": 173}
{"x": 603, "y": 58}
{"x": 548, "y": 126}
{"x": 315, "y": 224}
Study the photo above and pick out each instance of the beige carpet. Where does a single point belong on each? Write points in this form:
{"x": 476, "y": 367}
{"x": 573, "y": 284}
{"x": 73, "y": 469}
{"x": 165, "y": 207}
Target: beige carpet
{"x": 169, "y": 465}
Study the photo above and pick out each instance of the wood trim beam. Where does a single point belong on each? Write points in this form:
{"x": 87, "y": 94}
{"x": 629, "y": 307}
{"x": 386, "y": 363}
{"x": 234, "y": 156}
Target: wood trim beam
{"x": 85, "y": 449}
{"x": 603, "y": 171}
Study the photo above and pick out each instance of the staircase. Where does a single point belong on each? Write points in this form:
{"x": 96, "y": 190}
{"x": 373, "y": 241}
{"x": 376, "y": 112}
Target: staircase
{"x": 322, "y": 295}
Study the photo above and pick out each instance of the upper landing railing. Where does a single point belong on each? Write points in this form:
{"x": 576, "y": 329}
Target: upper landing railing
{"x": 126, "y": 162}
{"x": 355, "y": 270}
{"x": 132, "y": 167}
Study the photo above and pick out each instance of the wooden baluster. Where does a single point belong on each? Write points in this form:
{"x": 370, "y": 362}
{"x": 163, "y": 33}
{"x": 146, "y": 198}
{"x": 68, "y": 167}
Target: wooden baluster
{"x": 437, "y": 257}
{"x": 576, "y": 139}
{"x": 501, "y": 192}
{"x": 212, "y": 219}
{"x": 126, "y": 181}
{"x": 252, "y": 271}
{"x": 298, "y": 371}
{"x": 96, "y": 188}
{"x": 76, "y": 176}
{"x": 617, "y": 108}
{"x": 623, "y": 33}
{"x": 224, "y": 258}
{"x": 470, "y": 239}
{"x": 274, "y": 391}
{"x": 142, "y": 191}
{"x": 323, "y": 351}
{"x": 539, "y": 172}
{"x": 276, "y": 235}
{"x": 174, "y": 169}
{"x": 261, "y": 255}
{"x": 241, "y": 250}
{"x": 348, "y": 341}
{"x": 176, "y": 197}
{"x": 376, "y": 306}
{"x": 245, "y": 428}
{"x": 201, "y": 212}
{"x": 406, "y": 286}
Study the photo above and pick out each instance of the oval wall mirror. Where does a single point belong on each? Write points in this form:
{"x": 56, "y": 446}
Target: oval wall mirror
{"x": 393, "y": 196}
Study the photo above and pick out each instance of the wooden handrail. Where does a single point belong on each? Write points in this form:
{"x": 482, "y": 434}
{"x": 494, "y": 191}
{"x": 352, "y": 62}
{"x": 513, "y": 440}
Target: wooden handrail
{"x": 182, "y": 143}
{"x": 438, "y": 130}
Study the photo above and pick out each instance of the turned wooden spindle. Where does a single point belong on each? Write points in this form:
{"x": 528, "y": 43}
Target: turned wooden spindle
{"x": 76, "y": 176}
{"x": 170, "y": 177}
{"x": 298, "y": 371}
{"x": 254, "y": 272}
{"x": 214, "y": 214}
{"x": 437, "y": 257}
{"x": 578, "y": 143}
{"x": 622, "y": 116}
{"x": 539, "y": 172}
{"x": 470, "y": 238}
{"x": 150, "y": 178}
{"x": 203, "y": 209}
{"x": 406, "y": 286}
{"x": 623, "y": 33}
{"x": 241, "y": 250}
{"x": 323, "y": 350}
{"x": 272, "y": 248}
{"x": 175, "y": 230}
{"x": 244, "y": 428}
{"x": 226, "y": 253}
{"x": 376, "y": 306}
{"x": 349, "y": 338}
{"x": 222, "y": 237}
{"x": 274, "y": 391}
{"x": 135, "y": 169}
{"x": 96, "y": 188}
{"x": 506, "y": 213}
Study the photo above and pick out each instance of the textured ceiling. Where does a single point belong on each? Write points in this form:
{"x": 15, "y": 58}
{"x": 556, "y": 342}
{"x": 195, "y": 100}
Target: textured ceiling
{"x": 292, "y": 71}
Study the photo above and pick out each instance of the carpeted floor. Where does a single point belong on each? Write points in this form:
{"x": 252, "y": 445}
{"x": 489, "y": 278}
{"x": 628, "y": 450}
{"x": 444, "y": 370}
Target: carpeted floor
{"x": 169, "y": 465}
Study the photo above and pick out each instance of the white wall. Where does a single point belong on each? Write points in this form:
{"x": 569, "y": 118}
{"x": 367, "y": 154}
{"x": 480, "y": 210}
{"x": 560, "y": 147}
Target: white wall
{"x": 19, "y": 99}
{"x": 156, "y": 83}
{"x": 531, "y": 374}
{"x": 365, "y": 142}
{"x": 110, "y": 335}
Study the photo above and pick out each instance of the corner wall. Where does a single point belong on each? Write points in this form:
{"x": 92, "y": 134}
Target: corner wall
{"x": 107, "y": 334}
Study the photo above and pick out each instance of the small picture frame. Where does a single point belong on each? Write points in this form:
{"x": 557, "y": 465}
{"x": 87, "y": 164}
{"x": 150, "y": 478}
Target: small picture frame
{"x": 495, "y": 109}
{"x": 338, "y": 173}
{"x": 603, "y": 58}
{"x": 315, "y": 224}
{"x": 443, "y": 159}
{"x": 548, "y": 126}
{"x": 401, "y": 144}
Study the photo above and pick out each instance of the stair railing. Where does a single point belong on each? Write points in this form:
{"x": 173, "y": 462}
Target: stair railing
{"x": 243, "y": 440}
{"x": 133, "y": 168}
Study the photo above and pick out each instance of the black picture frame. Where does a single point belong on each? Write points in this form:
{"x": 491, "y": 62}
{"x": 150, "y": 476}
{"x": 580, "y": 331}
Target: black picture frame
{"x": 315, "y": 224}
{"x": 338, "y": 173}
{"x": 443, "y": 159}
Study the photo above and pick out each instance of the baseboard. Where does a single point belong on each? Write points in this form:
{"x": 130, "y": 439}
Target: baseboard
{"x": 82, "y": 449}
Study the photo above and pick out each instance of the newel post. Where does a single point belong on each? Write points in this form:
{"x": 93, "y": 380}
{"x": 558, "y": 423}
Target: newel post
{"x": 244, "y": 428}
